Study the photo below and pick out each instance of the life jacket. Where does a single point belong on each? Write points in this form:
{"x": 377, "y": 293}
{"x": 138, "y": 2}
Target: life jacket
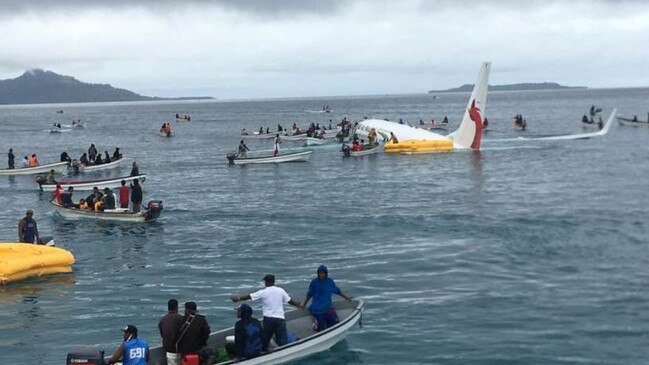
{"x": 33, "y": 162}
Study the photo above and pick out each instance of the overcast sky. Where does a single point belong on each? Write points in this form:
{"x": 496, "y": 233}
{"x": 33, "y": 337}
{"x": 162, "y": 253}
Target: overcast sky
{"x": 270, "y": 48}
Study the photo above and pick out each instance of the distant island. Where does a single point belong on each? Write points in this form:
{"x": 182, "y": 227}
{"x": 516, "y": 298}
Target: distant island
{"x": 39, "y": 86}
{"x": 527, "y": 86}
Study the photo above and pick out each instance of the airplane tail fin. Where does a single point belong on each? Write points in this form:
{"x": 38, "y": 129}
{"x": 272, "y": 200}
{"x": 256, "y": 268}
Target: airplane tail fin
{"x": 469, "y": 134}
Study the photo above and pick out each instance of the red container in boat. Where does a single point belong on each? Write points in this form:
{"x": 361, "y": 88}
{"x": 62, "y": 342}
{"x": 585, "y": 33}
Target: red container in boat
{"x": 191, "y": 359}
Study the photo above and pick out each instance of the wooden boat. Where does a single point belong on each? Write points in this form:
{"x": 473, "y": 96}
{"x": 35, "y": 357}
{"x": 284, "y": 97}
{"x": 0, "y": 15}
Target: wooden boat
{"x": 154, "y": 208}
{"x": 104, "y": 166}
{"x": 635, "y": 123}
{"x": 111, "y": 183}
{"x": 302, "y": 156}
{"x": 58, "y": 168}
{"x": 310, "y": 141}
{"x": 299, "y": 323}
{"x": 19, "y": 261}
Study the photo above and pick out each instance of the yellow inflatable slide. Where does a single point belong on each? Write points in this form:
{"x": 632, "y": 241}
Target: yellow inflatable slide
{"x": 21, "y": 260}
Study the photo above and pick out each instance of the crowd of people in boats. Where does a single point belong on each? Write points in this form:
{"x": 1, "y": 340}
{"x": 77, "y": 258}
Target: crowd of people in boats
{"x": 166, "y": 128}
{"x": 519, "y": 122}
{"x": 185, "y": 117}
{"x": 97, "y": 200}
{"x": 185, "y": 336}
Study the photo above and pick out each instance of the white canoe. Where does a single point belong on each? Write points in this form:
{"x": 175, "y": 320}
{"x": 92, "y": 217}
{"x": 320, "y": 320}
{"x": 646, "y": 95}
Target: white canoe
{"x": 58, "y": 168}
{"x": 365, "y": 152}
{"x": 629, "y": 121}
{"x": 288, "y": 157}
{"x": 112, "y": 183}
{"x": 298, "y": 322}
{"x": 309, "y": 141}
{"x": 103, "y": 166}
{"x": 119, "y": 215}
{"x": 166, "y": 134}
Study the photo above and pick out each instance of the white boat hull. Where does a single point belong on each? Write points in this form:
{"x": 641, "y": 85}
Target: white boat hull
{"x": 369, "y": 151}
{"x": 58, "y": 168}
{"x": 309, "y": 141}
{"x": 117, "y": 215}
{"x": 628, "y": 121}
{"x": 104, "y": 166}
{"x": 289, "y": 157}
{"x": 90, "y": 184}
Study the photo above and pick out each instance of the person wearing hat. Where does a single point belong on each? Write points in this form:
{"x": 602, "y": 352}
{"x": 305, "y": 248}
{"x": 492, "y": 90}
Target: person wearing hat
{"x": 132, "y": 351}
{"x": 247, "y": 335}
{"x": 109, "y": 200}
{"x": 272, "y": 303}
{"x": 321, "y": 289}
{"x": 194, "y": 332}
{"x": 27, "y": 229}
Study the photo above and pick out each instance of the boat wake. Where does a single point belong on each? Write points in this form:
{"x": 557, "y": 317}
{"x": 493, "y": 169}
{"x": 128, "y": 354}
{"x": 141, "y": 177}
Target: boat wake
{"x": 564, "y": 137}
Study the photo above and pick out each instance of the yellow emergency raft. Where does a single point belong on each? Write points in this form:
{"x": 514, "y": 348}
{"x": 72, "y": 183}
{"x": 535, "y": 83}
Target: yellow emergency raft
{"x": 21, "y": 260}
{"x": 419, "y": 146}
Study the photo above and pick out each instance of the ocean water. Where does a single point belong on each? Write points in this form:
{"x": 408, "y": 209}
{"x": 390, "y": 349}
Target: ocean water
{"x": 527, "y": 252}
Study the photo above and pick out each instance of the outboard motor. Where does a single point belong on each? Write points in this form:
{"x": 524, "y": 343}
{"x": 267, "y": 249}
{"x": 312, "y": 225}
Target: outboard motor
{"x": 154, "y": 208}
{"x": 88, "y": 356}
{"x": 231, "y": 157}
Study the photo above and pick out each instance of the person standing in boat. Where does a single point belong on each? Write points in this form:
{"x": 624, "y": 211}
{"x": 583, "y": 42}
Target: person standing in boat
{"x": 92, "y": 152}
{"x": 321, "y": 289}
{"x": 243, "y": 149}
{"x": 27, "y": 229}
{"x": 135, "y": 169}
{"x": 193, "y": 333}
{"x": 371, "y": 136}
{"x": 169, "y": 327}
{"x": 65, "y": 157}
{"x": 276, "y": 142}
{"x": 33, "y": 161}
{"x": 132, "y": 351}
{"x": 124, "y": 194}
{"x": 272, "y": 301}
{"x": 106, "y": 157}
{"x": 51, "y": 179}
{"x": 11, "y": 158}
{"x": 136, "y": 195}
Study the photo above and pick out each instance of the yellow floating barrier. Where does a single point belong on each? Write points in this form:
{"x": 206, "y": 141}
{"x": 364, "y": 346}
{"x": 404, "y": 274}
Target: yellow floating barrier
{"x": 419, "y": 146}
{"x": 19, "y": 261}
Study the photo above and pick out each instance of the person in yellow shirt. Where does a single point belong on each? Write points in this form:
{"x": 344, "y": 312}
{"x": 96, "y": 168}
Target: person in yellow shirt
{"x": 98, "y": 204}
{"x": 83, "y": 204}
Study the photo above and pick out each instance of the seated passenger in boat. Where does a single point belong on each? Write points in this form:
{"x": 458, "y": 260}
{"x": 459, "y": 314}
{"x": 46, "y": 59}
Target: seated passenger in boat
{"x": 117, "y": 155}
{"x": 94, "y": 197}
{"x": 355, "y": 146}
{"x": 98, "y": 160}
{"x": 445, "y": 120}
{"x": 247, "y": 336}
{"x": 98, "y": 203}
{"x": 25, "y": 163}
{"x": 108, "y": 200}
{"x": 361, "y": 146}
{"x": 106, "y": 157}
{"x": 65, "y": 157}
{"x": 421, "y": 122}
{"x": 83, "y": 204}
{"x": 50, "y": 177}
{"x": 584, "y": 119}
{"x": 84, "y": 159}
{"x": 635, "y": 118}
{"x": 244, "y": 132}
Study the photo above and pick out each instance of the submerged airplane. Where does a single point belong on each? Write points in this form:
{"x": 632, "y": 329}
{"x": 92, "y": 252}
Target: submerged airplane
{"x": 415, "y": 140}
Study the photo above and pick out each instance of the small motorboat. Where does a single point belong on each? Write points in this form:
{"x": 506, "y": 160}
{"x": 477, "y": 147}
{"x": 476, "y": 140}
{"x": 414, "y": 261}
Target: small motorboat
{"x": 367, "y": 150}
{"x": 298, "y": 323}
{"x": 58, "y": 167}
{"x": 55, "y": 130}
{"x": 633, "y": 122}
{"x": 112, "y": 183}
{"x": 287, "y": 157}
{"x": 153, "y": 211}
{"x": 104, "y": 166}
{"x": 310, "y": 141}
{"x": 20, "y": 261}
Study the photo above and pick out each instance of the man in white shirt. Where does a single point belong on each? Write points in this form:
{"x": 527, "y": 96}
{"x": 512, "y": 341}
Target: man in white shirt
{"x": 272, "y": 302}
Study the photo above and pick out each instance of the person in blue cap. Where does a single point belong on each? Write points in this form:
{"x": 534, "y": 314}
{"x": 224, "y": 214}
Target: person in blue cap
{"x": 321, "y": 289}
{"x": 133, "y": 351}
{"x": 248, "y": 336}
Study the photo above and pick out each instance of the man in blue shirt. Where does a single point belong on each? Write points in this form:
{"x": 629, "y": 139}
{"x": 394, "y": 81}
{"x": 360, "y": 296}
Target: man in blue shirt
{"x": 132, "y": 351}
{"x": 321, "y": 289}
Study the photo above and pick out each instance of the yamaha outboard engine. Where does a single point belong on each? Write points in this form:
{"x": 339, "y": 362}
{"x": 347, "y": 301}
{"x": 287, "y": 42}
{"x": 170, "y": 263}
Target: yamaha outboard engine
{"x": 87, "y": 356}
{"x": 154, "y": 208}
{"x": 231, "y": 157}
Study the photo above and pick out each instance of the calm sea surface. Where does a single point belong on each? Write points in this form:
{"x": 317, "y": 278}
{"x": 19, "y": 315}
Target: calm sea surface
{"x": 524, "y": 253}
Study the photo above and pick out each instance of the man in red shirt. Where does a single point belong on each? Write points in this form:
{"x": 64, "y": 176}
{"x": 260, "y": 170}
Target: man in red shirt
{"x": 123, "y": 195}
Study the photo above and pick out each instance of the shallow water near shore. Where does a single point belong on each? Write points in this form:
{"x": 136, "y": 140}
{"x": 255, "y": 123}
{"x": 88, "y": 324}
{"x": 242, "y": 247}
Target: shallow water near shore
{"x": 523, "y": 253}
